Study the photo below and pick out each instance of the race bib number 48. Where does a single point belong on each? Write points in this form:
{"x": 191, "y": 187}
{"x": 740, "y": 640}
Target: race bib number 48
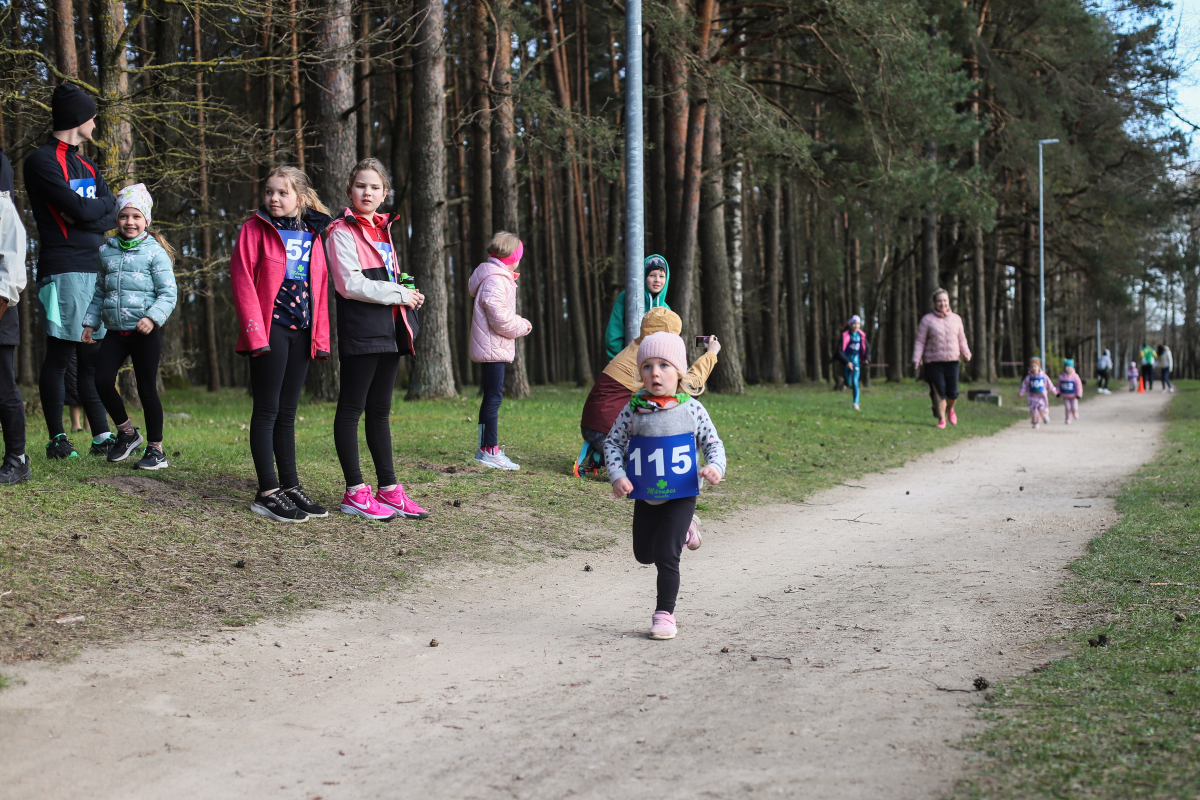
{"x": 84, "y": 187}
{"x": 662, "y": 467}
{"x": 298, "y": 246}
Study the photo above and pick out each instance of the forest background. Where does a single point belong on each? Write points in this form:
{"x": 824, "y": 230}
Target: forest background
{"x": 806, "y": 160}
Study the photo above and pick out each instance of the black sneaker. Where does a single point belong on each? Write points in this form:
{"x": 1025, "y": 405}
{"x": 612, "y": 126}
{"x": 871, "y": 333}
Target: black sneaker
{"x": 60, "y": 447}
{"x": 103, "y": 448}
{"x": 125, "y": 444}
{"x": 277, "y": 506}
{"x": 14, "y": 470}
{"x": 153, "y": 458}
{"x": 305, "y": 503}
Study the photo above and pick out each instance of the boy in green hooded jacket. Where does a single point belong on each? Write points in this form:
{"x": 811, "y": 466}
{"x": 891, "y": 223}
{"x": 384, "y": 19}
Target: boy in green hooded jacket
{"x": 657, "y": 278}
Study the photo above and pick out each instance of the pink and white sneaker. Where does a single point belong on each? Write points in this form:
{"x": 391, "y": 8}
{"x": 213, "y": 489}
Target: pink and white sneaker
{"x": 662, "y": 626}
{"x": 362, "y": 504}
{"x": 693, "y": 537}
{"x": 953, "y": 417}
{"x": 401, "y": 503}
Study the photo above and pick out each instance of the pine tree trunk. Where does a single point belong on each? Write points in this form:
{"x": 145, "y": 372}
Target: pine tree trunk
{"x": 719, "y": 313}
{"x": 337, "y": 121}
{"x": 66, "y": 57}
{"x": 795, "y": 303}
{"x": 773, "y": 329}
{"x": 929, "y": 245}
{"x": 433, "y": 372}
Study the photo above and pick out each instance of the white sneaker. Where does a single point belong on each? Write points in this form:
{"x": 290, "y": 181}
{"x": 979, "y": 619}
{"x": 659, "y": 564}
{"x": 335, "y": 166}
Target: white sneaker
{"x": 495, "y": 460}
{"x": 856, "y": 406}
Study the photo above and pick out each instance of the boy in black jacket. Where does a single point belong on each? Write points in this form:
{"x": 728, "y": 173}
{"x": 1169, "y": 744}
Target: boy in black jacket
{"x": 73, "y": 208}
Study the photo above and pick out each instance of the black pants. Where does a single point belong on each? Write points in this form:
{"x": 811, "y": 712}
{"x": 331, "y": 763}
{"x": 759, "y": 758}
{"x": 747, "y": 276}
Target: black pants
{"x": 54, "y": 368}
{"x": 595, "y": 438}
{"x": 659, "y": 534}
{"x": 12, "y": 405}
{"x": 943, "y": 378}
{"x": 144, "y": 350}
{"x": 367, "y": 385}
{"x": 1102, "y": 378}
{"x": 491, "y": 383}
{"x": 1148, "y": 376}
{"x": 277, "y": 378}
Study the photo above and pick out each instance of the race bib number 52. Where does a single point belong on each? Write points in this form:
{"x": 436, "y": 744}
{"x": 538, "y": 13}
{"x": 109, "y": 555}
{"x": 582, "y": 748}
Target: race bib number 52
{"x": 662, "y": 467}
{"x": 298, "y": 246}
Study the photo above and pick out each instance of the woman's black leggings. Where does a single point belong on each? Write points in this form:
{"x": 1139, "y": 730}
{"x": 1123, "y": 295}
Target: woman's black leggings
{"x": 492, "y": 387}
{"x": 277, "y": 378}
{"x": 367, "y": 385}
{"x": 144, "y": 350}
{"x": 53, "y": 388}
{"x": 659, "y": 534}
{"x": 1102, "y": 378}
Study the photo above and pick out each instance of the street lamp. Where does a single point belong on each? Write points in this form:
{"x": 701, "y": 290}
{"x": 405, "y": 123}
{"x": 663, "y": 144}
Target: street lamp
{"x": 1042, "y": 257}
{"x": 634, "y": 171}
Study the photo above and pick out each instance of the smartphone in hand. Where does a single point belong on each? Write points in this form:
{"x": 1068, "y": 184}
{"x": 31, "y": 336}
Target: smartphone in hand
{"x": 702, "y": 341}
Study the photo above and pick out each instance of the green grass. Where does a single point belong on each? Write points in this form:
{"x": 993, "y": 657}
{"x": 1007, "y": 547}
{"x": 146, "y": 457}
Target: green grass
{"x": 130, "y": 551}
{"x": 1123, "y": 720}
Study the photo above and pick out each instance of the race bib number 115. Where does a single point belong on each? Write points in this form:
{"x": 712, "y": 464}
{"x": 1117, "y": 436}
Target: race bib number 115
{"x": 662, "y": 467}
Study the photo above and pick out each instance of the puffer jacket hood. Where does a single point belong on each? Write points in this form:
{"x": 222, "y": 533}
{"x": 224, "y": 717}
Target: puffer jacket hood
{"x": 494, "y": 321}
{"x": 660, "y": 300}
{"x": 131, "y": 284}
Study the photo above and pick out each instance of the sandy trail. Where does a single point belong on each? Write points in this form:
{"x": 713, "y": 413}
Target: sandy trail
{"x": 544, "y": 685}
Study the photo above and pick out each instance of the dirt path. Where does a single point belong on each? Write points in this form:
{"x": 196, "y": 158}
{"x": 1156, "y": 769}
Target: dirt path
{"x": 841, "y": 617}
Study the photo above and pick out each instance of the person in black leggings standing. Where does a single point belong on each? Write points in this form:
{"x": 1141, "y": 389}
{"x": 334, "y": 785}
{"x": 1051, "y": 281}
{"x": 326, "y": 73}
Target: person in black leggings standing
{"x": 73, "y": 208}
{"x": 135, "y": 293}
{"x": 14, "y": 468}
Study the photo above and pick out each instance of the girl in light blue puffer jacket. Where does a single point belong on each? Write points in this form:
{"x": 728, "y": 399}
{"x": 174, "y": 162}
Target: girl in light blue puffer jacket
{"x": 135, "y": 294}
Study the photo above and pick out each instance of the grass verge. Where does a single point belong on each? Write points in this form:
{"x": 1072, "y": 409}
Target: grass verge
{"x": 91, "y": 551}
{"x": 1121, "y": 719}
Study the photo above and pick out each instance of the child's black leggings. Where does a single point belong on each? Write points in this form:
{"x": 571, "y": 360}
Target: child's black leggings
{"x": 53, "y": 386}
{"x": 277, "y": 378}
{"x": 367, "y": 385}
{"x": 659, "y": 534}
{"x": 492, "y": 388}
{"x": 144, "y": 350}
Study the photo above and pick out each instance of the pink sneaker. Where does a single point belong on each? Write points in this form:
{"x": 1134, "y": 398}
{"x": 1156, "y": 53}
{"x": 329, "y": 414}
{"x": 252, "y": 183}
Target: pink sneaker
{"x": 953, "y": 417}
{"x": 398, "y": 501}
{"x": 941, "y": 423}
{"x": 663, "y": 626}
{"x": 362, "y": 504}
{"x": 693, "y": 538}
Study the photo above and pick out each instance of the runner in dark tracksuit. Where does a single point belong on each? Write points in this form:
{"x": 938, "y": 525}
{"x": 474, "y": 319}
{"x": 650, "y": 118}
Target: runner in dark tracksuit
{"x": 73, "y": 208}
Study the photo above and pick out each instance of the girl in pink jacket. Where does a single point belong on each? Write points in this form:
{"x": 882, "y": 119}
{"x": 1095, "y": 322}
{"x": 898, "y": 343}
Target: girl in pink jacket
{"x": 1036, "y": 389}
{"x": 1070, "y": 389}
{"x": 495, "y": 326}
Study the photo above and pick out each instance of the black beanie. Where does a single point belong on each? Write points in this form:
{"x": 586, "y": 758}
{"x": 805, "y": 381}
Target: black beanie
{"x": 70, "y": 107}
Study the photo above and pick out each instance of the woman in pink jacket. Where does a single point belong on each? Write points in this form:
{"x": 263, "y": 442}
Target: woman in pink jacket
{"x": 494, "y": 327}
{"x": 940, "y": 342}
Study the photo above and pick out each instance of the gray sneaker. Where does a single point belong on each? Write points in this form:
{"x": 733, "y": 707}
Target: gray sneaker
{"x": 495, "y": 460}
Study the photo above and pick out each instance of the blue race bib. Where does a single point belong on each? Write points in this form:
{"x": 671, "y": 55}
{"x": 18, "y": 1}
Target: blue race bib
{"x": 1037, "y": 385}
{"x": 389, "y": 258}
{"x": 1067, "y": 387}
{"x": 298, "y": 246}
{"x": 662, "y": 467}
{"x": 84, "y": 187}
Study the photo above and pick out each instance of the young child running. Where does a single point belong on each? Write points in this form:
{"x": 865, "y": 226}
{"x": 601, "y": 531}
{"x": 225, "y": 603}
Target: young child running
{"x": 1070, "y": 389}
{"x": 650, "y": 455}
{"x": 374, "y": 330}
{"x": 494, "y": 328}
{"x": 279, "y": 278}
{"x": 1036, "y": 390}
{"x": 1132, "y": 376}
{"x": 853, "y": 353}
{"x": 135, "y": 294}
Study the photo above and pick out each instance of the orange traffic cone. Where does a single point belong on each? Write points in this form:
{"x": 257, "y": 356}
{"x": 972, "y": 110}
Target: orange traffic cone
{"x": 1141, "y": 386}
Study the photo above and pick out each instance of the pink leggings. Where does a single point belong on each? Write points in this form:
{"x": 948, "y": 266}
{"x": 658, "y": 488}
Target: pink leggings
{"x": 1071, "y": 404}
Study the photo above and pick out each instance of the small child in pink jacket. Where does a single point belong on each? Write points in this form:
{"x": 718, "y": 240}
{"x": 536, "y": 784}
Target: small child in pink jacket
{"x": 1070, "y": 389}
{"x": 1036, "y": 389}
{"x": 495, "y": 326}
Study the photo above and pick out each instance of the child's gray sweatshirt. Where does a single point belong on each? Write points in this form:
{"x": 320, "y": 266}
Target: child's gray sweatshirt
{"x": 688, "y": 417}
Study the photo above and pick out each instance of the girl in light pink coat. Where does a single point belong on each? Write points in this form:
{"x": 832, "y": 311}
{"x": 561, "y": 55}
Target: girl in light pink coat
{"x": 495, "y": 326}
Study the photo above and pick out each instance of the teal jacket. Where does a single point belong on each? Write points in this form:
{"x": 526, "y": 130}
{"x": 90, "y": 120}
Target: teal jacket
{"x": 614, "y": 334}
{"x": 132, "y": 284}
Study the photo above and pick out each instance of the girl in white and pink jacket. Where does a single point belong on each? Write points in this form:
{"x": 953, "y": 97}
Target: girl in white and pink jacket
{"x": 495, "y": 326}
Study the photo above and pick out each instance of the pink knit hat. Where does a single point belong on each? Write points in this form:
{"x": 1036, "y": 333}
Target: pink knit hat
{"x": 667, "y": 346}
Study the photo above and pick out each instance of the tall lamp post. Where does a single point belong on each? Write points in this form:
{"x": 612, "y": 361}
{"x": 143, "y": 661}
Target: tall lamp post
{"x": 1042, "y": 257}
{"x": 634, "y": 171}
